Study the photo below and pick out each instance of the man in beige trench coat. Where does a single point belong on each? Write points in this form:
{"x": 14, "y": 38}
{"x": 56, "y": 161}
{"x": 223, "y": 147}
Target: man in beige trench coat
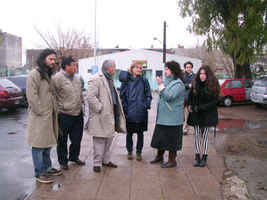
{"x": 105, "y": 115}
{"x": 42, "y": 129}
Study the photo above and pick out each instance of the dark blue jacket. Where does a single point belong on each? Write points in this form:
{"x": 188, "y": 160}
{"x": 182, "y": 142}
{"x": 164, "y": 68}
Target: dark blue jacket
{"x": 135, "y": 97}
{"x": 187, "y": 80}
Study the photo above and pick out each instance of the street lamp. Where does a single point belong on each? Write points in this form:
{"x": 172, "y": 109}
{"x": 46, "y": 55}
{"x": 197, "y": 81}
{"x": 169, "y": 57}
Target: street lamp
{"x": 95, "y": 31}
{"x": 155, "y": 38}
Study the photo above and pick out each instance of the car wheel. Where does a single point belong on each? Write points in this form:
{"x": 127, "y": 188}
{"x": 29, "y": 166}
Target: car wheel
{"x": 24, "y": 102}
{"x": 227, "y": 101}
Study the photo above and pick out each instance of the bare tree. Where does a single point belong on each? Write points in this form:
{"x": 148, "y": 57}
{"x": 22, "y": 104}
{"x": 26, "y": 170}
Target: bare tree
{"x": 216, "y": 59}
{"x": 221, "y": 63}
{"x": 68, "y": 42}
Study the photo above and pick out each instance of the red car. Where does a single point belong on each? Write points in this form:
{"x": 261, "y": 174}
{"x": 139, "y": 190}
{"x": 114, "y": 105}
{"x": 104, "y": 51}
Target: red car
{"x": 235, "y": 90}
{"x": 10, "y": 94}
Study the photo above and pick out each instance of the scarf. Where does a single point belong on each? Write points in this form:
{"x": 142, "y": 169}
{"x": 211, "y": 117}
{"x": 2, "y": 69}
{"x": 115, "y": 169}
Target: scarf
{"x": 168, "y": 80}
{"x": 113, "y": 95}
{"x": 111, "y": 86}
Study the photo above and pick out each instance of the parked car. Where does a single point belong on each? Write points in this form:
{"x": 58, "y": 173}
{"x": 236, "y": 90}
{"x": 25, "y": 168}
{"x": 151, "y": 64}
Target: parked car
{"x": 20, "y": 81}
{"x": 10, "y": 94}
{"x": 235, "y": 90}
{"x": 259, "y": 91}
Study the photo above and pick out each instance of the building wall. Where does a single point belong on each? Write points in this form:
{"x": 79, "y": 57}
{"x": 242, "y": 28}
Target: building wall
{"x": 10, "y": 50}
{"x": 124, "y": 59}
{"x": 31, "y": 57}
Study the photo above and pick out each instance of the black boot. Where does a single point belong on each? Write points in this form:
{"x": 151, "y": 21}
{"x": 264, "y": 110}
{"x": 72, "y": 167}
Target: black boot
{"x": 158, "y": 158}
{"x": 203, "y": 162}
{"x": 171, "y": 161}
{"x": 197, "y": 160}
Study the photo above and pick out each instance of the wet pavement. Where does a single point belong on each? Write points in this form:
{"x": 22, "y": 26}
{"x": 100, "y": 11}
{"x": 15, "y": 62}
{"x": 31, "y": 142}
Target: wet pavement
{"x": 131, "y": 180}
{"x": 239, "y": 124}
{"x": 16, "y": 165}
{"x": 242, "y": 141}
{"x": 16, "y": 171}
{"x": 137, "y": 180}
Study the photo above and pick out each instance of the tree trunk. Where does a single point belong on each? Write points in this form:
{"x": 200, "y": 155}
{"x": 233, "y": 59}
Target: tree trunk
{"x": 242, "y": 71}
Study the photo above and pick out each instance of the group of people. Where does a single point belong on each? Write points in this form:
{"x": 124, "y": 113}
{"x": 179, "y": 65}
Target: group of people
{"x": 56, "y": 112}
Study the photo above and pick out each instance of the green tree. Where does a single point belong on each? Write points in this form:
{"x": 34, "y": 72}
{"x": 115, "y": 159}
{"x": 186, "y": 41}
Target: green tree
{"x": 237, "y": 27}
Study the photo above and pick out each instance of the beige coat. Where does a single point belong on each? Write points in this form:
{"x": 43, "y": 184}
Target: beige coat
{"x": 101, "y": 122}
{"x": 68, "y": 94}
{"x": 42, "y": 130}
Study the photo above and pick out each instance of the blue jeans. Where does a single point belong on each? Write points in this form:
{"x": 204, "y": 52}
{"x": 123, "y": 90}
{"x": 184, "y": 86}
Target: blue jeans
{"x": 41, "y": 160}
{"x": 140, "y": 142}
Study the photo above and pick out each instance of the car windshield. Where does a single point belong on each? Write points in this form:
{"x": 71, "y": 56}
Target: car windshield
{"x": 221, "y": 81}
{"x": 7, "y": 84}
{"x": 261, "y": 82}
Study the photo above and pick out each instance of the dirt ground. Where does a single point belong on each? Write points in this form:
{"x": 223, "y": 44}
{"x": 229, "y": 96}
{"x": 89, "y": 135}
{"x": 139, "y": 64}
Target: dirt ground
{"x": 242, "y": 140}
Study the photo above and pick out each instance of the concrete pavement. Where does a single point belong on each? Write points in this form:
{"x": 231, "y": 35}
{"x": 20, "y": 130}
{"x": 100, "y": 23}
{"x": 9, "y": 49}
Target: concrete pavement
{"x": 134, "y": 180}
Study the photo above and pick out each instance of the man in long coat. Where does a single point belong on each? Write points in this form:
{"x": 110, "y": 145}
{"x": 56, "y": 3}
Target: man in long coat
{"x": 105, "y": 115}
{"x": 42, "y": 129}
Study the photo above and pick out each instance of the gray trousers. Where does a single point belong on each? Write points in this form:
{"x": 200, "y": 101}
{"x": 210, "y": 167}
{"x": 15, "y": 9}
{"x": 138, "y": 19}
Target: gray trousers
{"x": 102, "y": 151}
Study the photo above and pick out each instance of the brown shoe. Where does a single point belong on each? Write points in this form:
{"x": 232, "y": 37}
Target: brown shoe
{"x": 159, "y": 157}
{"x": 110, "y": 164}
{"x": 44, "y": 178}
{"x": 138, "y": 156}
{"x": 156, "y": 160}
{"x": 54, "y": 172}
{"x": 97, "y": 169}
{"x": 78, "y": 162}
{"x": 169, "y": 165}
{"x": 130, "y": 156}
{"x": 64, "y": 167}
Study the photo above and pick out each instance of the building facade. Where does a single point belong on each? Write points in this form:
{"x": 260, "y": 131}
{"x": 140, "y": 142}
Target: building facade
{"x": 10, "y": 51}
{"x": 151, "y": 60}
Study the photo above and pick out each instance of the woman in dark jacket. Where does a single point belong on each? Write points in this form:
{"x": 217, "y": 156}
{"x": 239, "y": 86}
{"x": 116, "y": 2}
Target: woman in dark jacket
{"x": 136, "y": 98}
{"x": 203, "y": 114}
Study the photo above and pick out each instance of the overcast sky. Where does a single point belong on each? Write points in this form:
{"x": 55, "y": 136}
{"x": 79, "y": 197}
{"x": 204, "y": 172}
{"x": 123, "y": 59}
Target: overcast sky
{"x": 127, "y": 23}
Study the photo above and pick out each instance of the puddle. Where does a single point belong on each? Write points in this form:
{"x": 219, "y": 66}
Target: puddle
{"x": 56, "y": 187}
{"x": 238, "y": 124}
{"x": 263, "y": 143}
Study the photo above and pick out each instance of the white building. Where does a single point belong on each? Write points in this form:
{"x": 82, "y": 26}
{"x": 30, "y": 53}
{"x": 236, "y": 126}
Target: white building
{"x": 152, "y": 64}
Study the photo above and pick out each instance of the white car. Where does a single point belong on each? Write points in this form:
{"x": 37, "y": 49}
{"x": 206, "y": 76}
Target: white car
{"x": 258, "y": 93}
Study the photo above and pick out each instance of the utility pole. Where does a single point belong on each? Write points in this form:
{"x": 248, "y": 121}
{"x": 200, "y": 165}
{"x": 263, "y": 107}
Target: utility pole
{"x": 164, "y": 42}
{"x": 95, "y": 31}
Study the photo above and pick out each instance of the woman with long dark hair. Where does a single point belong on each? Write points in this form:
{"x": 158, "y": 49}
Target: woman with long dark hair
{"x": 203, "y": 114}
{"x": 168, "y": 131}
{"x": 136, "y": 98}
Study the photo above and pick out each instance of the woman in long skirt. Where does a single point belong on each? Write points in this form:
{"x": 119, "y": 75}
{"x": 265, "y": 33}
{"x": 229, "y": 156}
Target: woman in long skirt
{"x": 168, "y": 131}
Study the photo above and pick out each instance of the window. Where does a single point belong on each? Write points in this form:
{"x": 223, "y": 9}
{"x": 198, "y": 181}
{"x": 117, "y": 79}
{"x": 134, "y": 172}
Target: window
{"x": 261, "y": 82}
{"x": 227, "y": 84}
{"x": 236, "y": 84}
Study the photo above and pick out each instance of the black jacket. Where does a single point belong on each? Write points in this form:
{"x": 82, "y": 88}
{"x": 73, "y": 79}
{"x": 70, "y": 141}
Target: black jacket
{"x": 135, "y": 97}
{"x": 204, "y": 106}
{"x": 188, "y": 78}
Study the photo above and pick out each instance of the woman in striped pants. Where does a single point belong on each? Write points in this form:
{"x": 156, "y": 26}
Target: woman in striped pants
{"x": 203, "y": 113}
